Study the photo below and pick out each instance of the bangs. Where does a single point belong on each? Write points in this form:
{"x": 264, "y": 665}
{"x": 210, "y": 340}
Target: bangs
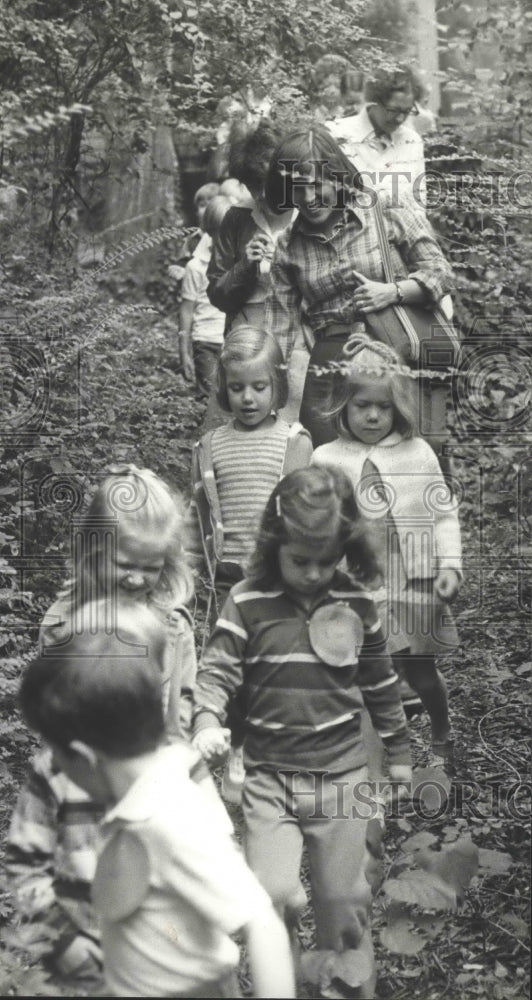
{"x": 302, "y": 154}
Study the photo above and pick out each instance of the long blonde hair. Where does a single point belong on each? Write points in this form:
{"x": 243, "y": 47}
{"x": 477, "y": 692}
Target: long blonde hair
{"x": 140, "y": 503}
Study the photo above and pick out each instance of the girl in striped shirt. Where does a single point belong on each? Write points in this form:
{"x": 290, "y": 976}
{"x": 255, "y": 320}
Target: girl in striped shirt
{"x": 303, "y": 643}
{"x": 236, "y": 466}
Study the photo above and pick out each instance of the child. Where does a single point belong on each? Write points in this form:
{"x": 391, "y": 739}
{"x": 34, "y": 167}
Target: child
{"x": 130, "y": 546}
{"x": 170, "y": 886}
{"x": 201, "y": 324}
{"x": 202, "y": 197}
{"x": 128, "y": 549}
{"x": 236, "y": 466}
{"x": 302, "y": 641}
{"x": 235, "y": 191}
{"x": 399, "y": 484}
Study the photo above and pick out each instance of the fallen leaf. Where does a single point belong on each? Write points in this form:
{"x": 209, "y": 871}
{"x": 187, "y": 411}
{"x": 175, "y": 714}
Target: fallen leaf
{"x": 419, "y": 840}
{"x": 455, "y": 865}
{"x": 494, "y": 862}
{"x": 500, "y": 970}
{"x": 422, "y": 888}
{"x": 397, "y": 936}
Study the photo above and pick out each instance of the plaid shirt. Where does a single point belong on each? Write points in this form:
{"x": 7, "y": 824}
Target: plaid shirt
{"x": 318, "y": 268}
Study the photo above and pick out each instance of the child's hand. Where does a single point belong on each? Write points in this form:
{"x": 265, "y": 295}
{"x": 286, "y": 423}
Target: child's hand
{"x": 213, "y": 743}
{"x": 400, "y": 772}
{"x": 82, "y": 957}
{"x": 186, "y": 357}
{"x": 176, "y": 272}
{"x": 447, "y": 584}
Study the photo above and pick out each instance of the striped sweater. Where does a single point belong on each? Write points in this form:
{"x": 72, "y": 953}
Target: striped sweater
{"x": 233, "y": 475}
{"x": 300, "y": 712}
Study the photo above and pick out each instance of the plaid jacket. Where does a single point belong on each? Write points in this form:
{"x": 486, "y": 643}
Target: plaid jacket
{"x": 319, "y": 270}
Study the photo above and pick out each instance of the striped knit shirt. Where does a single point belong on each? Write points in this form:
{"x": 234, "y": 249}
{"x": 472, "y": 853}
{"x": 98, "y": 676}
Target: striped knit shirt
{"x": 300, "y": 712}
{"x": 247, "y": 465}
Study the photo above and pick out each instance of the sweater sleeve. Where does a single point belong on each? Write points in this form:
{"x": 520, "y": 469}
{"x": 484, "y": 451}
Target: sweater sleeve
{"x": 30, "y": 855}
{"x": 379, "y": 685}
{"x": 420, "y": 250}
{"x": 220, "y": 673}
{"x": 232, "y": 278}
{"x": 180, "y": 672}
{"x": 442, "y": 506}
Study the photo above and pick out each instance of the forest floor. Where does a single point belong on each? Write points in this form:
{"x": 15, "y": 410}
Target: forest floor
{"x": 142, "y": 410}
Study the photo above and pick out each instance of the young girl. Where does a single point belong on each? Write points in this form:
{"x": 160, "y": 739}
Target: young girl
{"x": 201, "y": 324}
{"x": 130, "y": 547}
{"x": 128, "y": 554}
{"x": 236, "y": 466}
{"x": 303, "y": 643}
{"x": 399, "y": 485}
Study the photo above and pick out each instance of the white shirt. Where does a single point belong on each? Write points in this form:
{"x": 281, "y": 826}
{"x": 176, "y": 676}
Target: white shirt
{"x": 395, "y": 163}
{"x": 171, "y": 886}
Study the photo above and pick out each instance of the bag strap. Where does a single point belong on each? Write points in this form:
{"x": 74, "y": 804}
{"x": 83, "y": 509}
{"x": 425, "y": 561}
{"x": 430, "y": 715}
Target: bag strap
{"x": 383, "y": 242}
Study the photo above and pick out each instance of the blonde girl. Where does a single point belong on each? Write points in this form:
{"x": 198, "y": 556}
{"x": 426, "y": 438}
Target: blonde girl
{"x": 234, "y": 469}
{"x": 236, "y": 466}
{"x": 399, "y": 487}
{"x": 302, "y": 642}
{"x": 129, "y": 547}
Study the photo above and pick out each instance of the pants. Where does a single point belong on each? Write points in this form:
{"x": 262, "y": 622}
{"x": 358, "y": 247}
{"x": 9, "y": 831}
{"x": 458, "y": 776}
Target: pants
{"x": 205, "y": 357}
{"x": 284, "y": 811}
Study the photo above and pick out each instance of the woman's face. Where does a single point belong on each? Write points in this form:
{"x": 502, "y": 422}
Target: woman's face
{"x": 316, "y": 196}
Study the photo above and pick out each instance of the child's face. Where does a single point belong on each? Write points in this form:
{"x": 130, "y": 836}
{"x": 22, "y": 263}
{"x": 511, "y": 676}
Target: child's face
{"x": 137, "y": 564}
{"x": 249, "y": 392}
{"x": 316, "y": 197}
{"x": 307, "y": 569}
{"x": 370, "y": 412}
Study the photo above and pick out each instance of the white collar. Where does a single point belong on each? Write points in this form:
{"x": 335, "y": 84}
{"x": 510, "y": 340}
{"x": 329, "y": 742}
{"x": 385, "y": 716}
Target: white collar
{"x": 170, "y": 765}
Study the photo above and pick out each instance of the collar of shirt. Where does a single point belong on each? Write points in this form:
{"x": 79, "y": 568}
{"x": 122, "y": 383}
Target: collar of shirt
{"x": 390, "y": 441}
{"x": 340, "y": 583}
{"x": 170, "y": 764}
{"x": 262, "y": 222}
{"x": 204, "y": 249}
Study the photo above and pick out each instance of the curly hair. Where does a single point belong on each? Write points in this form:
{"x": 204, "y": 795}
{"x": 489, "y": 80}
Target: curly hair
{"x": 247, "y": 343}
{"x": 250, "y": 150}
{"x": 380, "y": 86}
{"x": 315, "y": 504}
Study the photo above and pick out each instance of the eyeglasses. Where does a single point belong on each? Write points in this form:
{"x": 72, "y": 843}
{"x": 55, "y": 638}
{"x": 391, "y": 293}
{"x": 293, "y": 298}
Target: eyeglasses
{"x": 398, "y": 112}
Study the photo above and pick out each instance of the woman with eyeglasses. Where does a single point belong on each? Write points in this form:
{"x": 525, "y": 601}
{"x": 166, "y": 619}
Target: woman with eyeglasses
{"x": 384, "y": 148}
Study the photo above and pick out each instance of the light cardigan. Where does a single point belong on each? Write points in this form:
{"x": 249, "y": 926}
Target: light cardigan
{"x": 423, "y": 510}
